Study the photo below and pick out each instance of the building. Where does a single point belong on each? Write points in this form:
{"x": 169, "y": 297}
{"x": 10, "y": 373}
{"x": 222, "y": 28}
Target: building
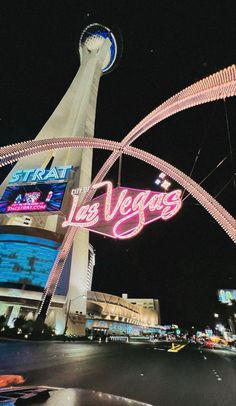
{"x": 118, "y": 315}
{"x": 149, "y": 304}
{"x": 105, "y": 313}
{"x": 54, "y": 174}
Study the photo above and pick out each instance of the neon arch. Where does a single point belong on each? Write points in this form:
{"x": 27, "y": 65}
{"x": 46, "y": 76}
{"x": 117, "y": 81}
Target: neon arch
{"x": 10, "y": 154}
{"x": 226, "y": 221}
{"x": 217, "y": 86}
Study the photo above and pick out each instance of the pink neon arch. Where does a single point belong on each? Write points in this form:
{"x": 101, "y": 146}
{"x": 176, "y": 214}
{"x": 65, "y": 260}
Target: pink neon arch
{"x": 11, "y": 154}
{"x": 217, "y": 86}
{"x": 227, "y": 222}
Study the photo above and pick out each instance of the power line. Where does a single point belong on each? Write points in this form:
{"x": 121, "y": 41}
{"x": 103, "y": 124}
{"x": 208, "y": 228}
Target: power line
{"x": 210, "y": 173}
{"x": 223, "y": 188}
{"x": 205, "y": 136}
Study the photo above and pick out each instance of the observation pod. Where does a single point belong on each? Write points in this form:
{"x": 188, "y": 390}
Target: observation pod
{"x": 92, "y": 39}
{"x": 74, "y": 116}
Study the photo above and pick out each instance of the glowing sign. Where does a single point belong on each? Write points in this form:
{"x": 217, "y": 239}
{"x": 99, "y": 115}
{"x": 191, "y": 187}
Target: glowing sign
{"x": 122, "y": 212}
{"x": 29, "y": 198}
{"x": 59, "y": 173}
{"x": 227, "y": 295}
{"x": 26, "y": 259}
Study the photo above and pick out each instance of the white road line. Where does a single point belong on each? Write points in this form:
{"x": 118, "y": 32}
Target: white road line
{"x": 216, "y": 375}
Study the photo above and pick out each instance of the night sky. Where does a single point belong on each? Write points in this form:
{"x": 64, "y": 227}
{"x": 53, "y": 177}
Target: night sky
{"x": 167, "y": 45}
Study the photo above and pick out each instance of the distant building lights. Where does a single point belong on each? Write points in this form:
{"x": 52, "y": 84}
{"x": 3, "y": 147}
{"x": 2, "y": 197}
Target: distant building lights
{"x": 220, "y": 327}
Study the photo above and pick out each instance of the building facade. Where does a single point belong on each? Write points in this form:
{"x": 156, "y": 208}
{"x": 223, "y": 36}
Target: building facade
{"x": 144, "y": 303}
{"x": 105, "y": 313}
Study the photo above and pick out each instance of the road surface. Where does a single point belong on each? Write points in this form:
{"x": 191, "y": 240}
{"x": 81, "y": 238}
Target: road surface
{"x": 142, "y": 371}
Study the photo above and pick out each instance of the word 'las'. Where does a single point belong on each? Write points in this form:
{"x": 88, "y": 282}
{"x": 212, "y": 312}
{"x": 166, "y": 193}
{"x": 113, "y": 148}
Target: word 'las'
{"x": 122, "y": 212}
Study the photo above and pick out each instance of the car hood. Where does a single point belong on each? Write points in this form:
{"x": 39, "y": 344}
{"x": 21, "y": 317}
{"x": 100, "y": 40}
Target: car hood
{"x": 48, "y": 396}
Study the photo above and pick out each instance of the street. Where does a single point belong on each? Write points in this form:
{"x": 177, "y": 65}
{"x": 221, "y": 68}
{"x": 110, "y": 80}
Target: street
{"x": 140, "y": 371}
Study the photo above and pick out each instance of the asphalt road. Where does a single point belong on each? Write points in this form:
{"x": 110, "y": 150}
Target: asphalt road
{"x": 141, "y": 371}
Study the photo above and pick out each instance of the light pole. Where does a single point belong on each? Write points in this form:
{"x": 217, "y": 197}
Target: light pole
{"x": 68, "y": 311}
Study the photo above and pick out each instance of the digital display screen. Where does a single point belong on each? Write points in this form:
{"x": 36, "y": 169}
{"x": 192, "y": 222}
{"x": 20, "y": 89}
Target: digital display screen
{"x": 226, "y": 295}
{"x": 32, "y": 198}
{"x": 26, "y": 259}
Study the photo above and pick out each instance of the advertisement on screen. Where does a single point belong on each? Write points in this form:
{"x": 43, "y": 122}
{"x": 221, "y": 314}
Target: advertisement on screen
{"x": 226, "y": 296}
{"x": 33, "y": 198}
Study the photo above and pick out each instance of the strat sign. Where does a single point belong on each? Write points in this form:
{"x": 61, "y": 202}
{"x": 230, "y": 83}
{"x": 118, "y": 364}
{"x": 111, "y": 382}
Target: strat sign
{"x": 35, "y": 190}
{"x": 122, "y": 212}
{"x": 40, "y": 175}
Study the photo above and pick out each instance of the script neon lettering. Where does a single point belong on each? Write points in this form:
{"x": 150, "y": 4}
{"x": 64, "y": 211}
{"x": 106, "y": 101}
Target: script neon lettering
{"x": 125, "y": 215}
{"x": 172, "y": 204}
{"x": 75, "y": 203}
{"x": 124, "y": 205}
{"x": 155, "y": 203}
{"x": 109, "y": 215}
{"x": 138, "y": 209}
{"x": 93, "y": 212}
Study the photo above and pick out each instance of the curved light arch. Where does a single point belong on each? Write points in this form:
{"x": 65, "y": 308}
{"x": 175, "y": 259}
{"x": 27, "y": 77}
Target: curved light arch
{"x": 10, "y": 154}
{"x": 15, "y": 152}
{"x": 217, "y": 86}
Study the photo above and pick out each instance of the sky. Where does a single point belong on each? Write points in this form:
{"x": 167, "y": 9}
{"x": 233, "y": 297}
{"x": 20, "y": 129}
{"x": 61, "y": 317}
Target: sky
{"x": 167, "y": 45}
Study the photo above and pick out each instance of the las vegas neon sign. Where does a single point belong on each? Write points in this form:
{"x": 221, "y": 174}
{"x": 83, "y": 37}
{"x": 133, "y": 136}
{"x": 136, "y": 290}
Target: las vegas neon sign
{"x": 122, "y": 212}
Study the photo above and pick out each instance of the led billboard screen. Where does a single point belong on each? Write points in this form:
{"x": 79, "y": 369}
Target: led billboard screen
{"x": 33, "y": 198}
{"x": 226, "y": 295}
{"x": 26, "y": 259}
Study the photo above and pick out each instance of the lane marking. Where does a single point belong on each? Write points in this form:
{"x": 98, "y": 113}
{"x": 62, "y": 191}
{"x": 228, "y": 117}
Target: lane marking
{"x": 176, "y": 348}
{"x": 215, "y": 372}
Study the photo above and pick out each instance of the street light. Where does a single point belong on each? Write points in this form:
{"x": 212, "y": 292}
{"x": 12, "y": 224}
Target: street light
{"x": 216, "y": 315}
{"x": 68, "y": 311}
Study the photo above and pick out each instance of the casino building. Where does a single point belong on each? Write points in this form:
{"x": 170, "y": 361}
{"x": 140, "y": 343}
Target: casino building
{"x": 105, "y": 313}
{"x": 36, "y": 195}
{"x": 35, "y": 198}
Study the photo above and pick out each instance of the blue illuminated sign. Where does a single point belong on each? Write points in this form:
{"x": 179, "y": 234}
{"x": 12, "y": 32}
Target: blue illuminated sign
{"x": 227, "y": 295}
{"x": 58, "y": 173}
{"x": 26, "y": 259}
